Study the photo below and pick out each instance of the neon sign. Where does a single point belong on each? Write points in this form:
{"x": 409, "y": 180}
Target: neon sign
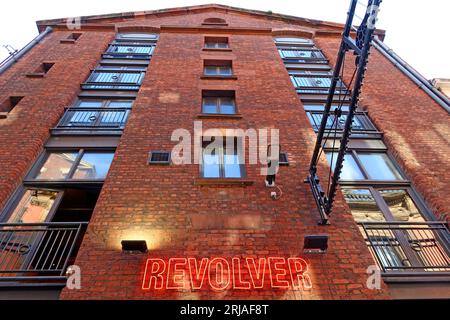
{"x": 221, "y": 273}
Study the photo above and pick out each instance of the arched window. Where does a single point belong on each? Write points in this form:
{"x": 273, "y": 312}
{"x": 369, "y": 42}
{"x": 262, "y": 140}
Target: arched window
{"x": 214, "y": 21}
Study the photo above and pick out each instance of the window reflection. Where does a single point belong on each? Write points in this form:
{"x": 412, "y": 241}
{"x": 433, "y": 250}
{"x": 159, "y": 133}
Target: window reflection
{"x": 401, "y": 206}
{"x": 379, "y": 166}
{"x": 93, "y": 166}
{"x": 33, "y": 207}
{"x": 57, "y": 166}
{"x": 363, "y": 205}
{"x": 350, "y": 170}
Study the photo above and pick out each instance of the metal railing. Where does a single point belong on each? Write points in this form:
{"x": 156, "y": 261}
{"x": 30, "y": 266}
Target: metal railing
{"x": 94, "y": 118}
{"x": 409, "y": 248}
{"x": 361, "y": 122}
{"x": 38, "y": 251}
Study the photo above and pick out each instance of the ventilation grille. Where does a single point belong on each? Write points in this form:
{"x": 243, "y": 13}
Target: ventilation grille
{"x": 283, "y": 160}
{"x": 159, "y": 157}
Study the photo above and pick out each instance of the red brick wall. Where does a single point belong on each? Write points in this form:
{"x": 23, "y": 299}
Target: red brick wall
{"x": 162, "y": 205}
{"x": 26, "y": 128}
{"x": 416, "y": 129}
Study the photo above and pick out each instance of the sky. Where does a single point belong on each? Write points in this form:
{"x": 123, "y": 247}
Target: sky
{"x": 416, "y": 30}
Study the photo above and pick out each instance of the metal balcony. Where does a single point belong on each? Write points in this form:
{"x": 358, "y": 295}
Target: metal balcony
{"x": 93, "y": 119}
{"x": 408, "y": 249}
{"x": 38, "y": 252}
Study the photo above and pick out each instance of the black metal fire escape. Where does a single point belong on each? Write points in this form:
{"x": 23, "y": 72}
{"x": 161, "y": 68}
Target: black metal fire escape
{"x": 360, "y": 46}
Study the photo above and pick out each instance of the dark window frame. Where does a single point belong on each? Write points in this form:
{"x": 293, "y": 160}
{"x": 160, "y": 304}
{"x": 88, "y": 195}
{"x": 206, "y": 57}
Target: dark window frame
{"x": 221, "y": 150}
{"x": 30, "y": 178}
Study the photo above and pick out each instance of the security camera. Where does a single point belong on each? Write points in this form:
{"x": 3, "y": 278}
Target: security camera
{"x": 274, "y": 195}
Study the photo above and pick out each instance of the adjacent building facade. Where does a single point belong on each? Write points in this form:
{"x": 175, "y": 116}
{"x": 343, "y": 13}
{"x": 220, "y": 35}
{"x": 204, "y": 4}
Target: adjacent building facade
{"x": 91, "y": 113}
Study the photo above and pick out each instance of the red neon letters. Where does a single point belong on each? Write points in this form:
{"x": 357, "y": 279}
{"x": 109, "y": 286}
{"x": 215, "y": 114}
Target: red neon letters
{"x": 220, "y": 273}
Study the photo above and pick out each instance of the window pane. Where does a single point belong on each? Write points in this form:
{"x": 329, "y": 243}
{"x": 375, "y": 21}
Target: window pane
{"x": 232, "y": 166}
{"x": 379, "y": 166}
{"x": 33, "y": 207}
{"x": 227, "y": 106}
{"x": 225, "y": 71}
{"x": 401, "y": 206}
{"x": 120, "y": 104}
{"x": 211, "y": 167}
{"x": 93, "y": 165}
{"x": 89, "y": 104}
{"x": 210, "y": 105}
{"x": 363, "y": 205}
{"x": 350, "y": 170}
{"x": 57, "y": 166}
{"x": 210, "y": 71}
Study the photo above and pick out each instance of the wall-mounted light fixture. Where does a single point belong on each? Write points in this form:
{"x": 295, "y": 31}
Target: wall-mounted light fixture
{"x": 315, "y": 243}
{"x": 134, "y": 245}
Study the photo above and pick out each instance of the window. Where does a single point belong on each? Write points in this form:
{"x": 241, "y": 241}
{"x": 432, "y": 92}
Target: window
{"x": 366, "y": 166}
{"x": 218, "y": 102}
{"x": 217, "y": 68}
{"x": 301, "y": 53}
{"x": 74, "y": 165}
{"x": 221, "y": 161}
{"x": 361, "y": 121}
{"x": 91, "y": 103}
{"x": 216, "y": 43}
{"x": 293, "y": 40}
{"x": 129, "y": 49}
{"x": 137, "y": 36}
{"x": 7, "y": 105}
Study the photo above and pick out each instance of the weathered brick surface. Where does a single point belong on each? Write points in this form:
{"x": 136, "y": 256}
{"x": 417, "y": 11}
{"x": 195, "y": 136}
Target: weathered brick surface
{"x": 26, "y": 128}
{"x": 161, "y": 203}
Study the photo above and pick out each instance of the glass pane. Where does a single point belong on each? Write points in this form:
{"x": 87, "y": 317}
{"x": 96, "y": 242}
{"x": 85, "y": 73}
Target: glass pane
{"x": 211, "y": 71}
{"x": 401, "y": 206}
{"x": 33, "y": 207}
{"x": 57, "y": 166}
{"x": 225, "y": 71}
{"x": 232, "y": 166}
{"x": 120, "y": 104}
{"x": 222, "y": 45}
{"x": 350, "y": 170}
{"x": 93, "y": 166}
{"x": 363, "y": 205}
{"x": 210, "y": 105}
{"x": 227, "y": 106}
{"x": 89, "y": 104}
{"x": 211, "y": 167}
{"x": 379, "y": 167}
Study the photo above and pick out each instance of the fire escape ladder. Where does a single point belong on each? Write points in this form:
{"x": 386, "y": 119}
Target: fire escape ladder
{"x": 360, "y": 46}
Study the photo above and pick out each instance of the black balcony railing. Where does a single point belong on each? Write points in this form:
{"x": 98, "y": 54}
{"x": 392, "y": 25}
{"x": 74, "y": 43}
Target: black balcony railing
{"x": 80, "y": 118}
{"x": 361, "y": 122}
{"x": 409, "y": 248}
{"x": 38, "y": 251}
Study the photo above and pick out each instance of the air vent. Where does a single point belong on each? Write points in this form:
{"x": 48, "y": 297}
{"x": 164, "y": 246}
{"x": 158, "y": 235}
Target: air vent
{"x": 159, "y": 157}
{"x": 283, "y": 160}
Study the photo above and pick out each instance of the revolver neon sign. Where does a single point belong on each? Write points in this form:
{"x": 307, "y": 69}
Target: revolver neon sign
{"x": 220, "y": 273}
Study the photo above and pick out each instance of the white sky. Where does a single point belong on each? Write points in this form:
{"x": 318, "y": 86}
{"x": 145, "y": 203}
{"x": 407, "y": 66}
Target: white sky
{"x": 416, "y": 30}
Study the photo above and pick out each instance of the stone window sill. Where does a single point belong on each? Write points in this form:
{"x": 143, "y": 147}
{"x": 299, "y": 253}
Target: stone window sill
{"x": 232, "y": 77}
{"x": 67, "y": 41}
{"x": 218, "y": 49}
{"x": 35, "y": 75}
{"x": 223, "y": 181}
{"x": 219, "y": 116}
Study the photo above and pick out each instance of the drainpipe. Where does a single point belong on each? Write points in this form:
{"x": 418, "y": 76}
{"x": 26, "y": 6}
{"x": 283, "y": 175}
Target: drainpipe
{"x": 8, "y": 62}
{"x": 416, "y": 77}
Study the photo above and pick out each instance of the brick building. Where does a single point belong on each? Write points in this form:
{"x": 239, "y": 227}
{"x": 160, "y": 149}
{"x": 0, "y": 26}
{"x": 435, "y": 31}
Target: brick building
{"x": 86, "y": 124}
